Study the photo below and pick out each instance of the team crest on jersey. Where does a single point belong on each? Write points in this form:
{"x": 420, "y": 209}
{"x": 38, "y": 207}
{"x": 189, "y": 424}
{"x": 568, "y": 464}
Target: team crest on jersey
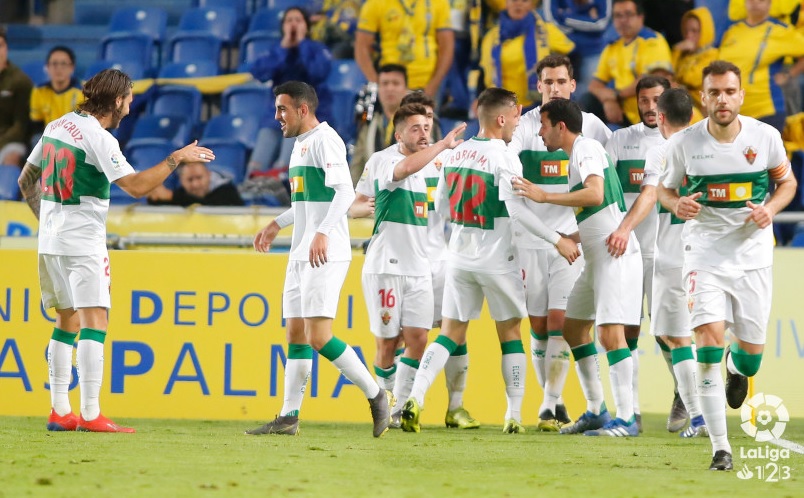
{"x": 750, "y": 154}
{"x": 385, "y": 316}
{"x": 438, "y": 163}
{"x": 303, "y": 149}
{"x": 690, "y": 304}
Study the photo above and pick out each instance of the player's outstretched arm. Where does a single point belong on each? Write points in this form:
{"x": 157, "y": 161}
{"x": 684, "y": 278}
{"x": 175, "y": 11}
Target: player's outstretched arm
{"x": 617, "y": 242}
{"x": 590, "y": 195}
{"x": 528, "y": 220}
{"x": 30, "y": 188}
{"x": 418, "y": 160}
{"x": 266, "y": 236}
{"x": 762, "y": 214}
{"x": 362, "y": 207}
{"x": 139, "y": 184}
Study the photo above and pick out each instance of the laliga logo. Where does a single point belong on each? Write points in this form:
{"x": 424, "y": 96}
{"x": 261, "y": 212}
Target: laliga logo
{"x": 767, "y": 408}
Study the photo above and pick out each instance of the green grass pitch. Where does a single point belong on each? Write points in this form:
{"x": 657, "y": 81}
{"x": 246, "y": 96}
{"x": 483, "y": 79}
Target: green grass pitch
{"x": 176, "y": 458}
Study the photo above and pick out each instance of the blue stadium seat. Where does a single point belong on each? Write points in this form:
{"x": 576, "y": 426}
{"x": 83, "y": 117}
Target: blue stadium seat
{"x": 283, "y": 161}
{"x": 472, "y": 128}
{"x": 177, "y": 100}
{"x": 253, "y": 45}
{"x": 36, "y": 71}
{"x": 345, "y": 75}
{"x": 278, "y": 4}
{"x": 231, "y": 127}
{"x": 194, "y": 46}
{"x": 144, "y": 155}
{"x": 230, "y": 160}
{"x": 798, "y": 239}
{"x": 132, "y": 68}
{"x": 268, "y": 20}
{"x": 174, "y": 130}
{"x": 119, "y": 197}
{"x": 9, "y": 189}
{"x": 128, "y": 46}
{"x": 446, "y": 125}
{"x": 219, "y": 21}
{"x": 255, "y": 100}
{"x": 240, "y": 7}
{"x": 343, "y": 113}
{"x": 197, "y": 69}
{"x": 151, "y": 21}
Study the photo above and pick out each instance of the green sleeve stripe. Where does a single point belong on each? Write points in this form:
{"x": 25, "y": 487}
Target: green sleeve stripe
{"x": 630, "y": 173}
{"x": 612, "y": 194}
{"x": 545, "y": 168}
{"x": 730, "y": 191}
{"x": 307, "y": 183}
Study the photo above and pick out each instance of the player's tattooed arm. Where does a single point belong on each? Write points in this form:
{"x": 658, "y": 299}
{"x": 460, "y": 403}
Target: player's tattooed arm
{"x": 29, "y": 187}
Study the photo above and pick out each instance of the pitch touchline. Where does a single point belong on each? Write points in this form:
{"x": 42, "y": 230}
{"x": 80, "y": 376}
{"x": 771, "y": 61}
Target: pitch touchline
{"x": 790, "y": 445}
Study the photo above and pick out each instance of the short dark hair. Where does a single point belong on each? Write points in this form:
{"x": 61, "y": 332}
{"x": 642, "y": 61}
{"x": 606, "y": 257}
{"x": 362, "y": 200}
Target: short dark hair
{"x": 493, "y": 97}
{"x": 640, "y": 7}
{"x": 565, "y": 110}
{"x": 62, "y": 48}
{"x": 300, "y": 92}
{"x": 555, "y": 60}
{"x": 302, "y": 11}
{"x": 102, "y": 90}
{"x": 719, "y": 68}
{"x": 652, "y": 81}
{"x": 393, "y": 68}
{"x": 676, "y": 105}
{"x": 405, "y": 111}
{"x": 418, "y": 97}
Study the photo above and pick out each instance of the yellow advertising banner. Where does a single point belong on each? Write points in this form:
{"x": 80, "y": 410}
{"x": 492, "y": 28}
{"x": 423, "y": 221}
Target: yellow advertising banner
{"x": 199, "y": 335}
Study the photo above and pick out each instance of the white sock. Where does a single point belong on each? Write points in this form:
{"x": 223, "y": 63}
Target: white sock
{"x": 621, "y": 384}
{"x": 556, "y": 369}
{"x": 455, "y": 371}
{"x": 588, "y": 371}
{"x": 686, "y": 373}
{"x": 297, "y": 372}
{"x": 538, "y": 349}
{"x": 353, "y": 369}
{"x": 405, "y": 376}
{"x": 433, "y": 361}
{"x": 634, "y": 383}
{"x": 513, "y": 371}
{"x": 60, "y": 364}
{"x": 386, "y": 377}
{"x": 90, "y": 375}
{"x": 712, "y": 395}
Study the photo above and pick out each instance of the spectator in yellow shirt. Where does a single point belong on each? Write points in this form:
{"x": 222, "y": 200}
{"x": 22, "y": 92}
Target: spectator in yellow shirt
{"x": 60, "y": 95}
{"x": 637, "y": 52}
{"x": 695, "y": 51}
{"x": 414, "y": 33}
{"x": 511, "y": 50}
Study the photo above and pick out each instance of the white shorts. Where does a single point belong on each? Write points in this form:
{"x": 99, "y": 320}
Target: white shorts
{"x": 669, "y": 315}
{"x": 313, "y": 291}
{"x": 75, "y": 281}
{"x": 609, "y": 291}
{"x": 464, "y": 291}
{"x": 741, "y": 298}
{"x": 437, "y": 271}
{"x": 548, "y": 279}
{"x": 395, "y": 301}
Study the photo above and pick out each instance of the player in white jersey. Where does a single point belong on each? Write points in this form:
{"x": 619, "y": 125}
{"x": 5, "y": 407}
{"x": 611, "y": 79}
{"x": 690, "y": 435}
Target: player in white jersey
{"x": 397, "y": 284}
{"x": 78, "y": 159}
{"x": 549, "y": 277}
{"x": 476, "y": 189}
{"x": 607, "y": 290}
{"x": 728, "y": 161}
{"x": 320, "y": 252}
{"x": 627, "y": 149}
{"x": 457, "y": 367}
{"x": 669, "y": 314}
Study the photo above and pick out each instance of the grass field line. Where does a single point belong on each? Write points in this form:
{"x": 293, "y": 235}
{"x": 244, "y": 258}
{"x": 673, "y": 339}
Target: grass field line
{"x": 790, "y": 445}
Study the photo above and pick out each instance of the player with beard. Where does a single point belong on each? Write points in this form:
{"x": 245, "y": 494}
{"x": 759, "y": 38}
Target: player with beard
{"x": 397, "y": 284}
{"x": 627, "y": 149}
{"x": 78, "y": 159}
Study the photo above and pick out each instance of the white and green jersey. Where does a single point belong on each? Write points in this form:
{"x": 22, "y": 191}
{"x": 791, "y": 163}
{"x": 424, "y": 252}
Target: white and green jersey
{"x": 79, "y": 161}
{"x": 436, "y": 222}
{"x": 627, "y": 149}
{"x": 669, "y": 250}
{"x": 596, "y": 223}
{"x": 475, "y": 186}
{"x": 317, "y": 163}
{"x": 398, "y": 244}
{"x": 728, "y": 176}
{"x": 548, "y": 170}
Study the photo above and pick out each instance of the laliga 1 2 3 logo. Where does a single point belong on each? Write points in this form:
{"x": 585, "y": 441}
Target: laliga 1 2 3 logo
{"x": 769, "y": 425}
